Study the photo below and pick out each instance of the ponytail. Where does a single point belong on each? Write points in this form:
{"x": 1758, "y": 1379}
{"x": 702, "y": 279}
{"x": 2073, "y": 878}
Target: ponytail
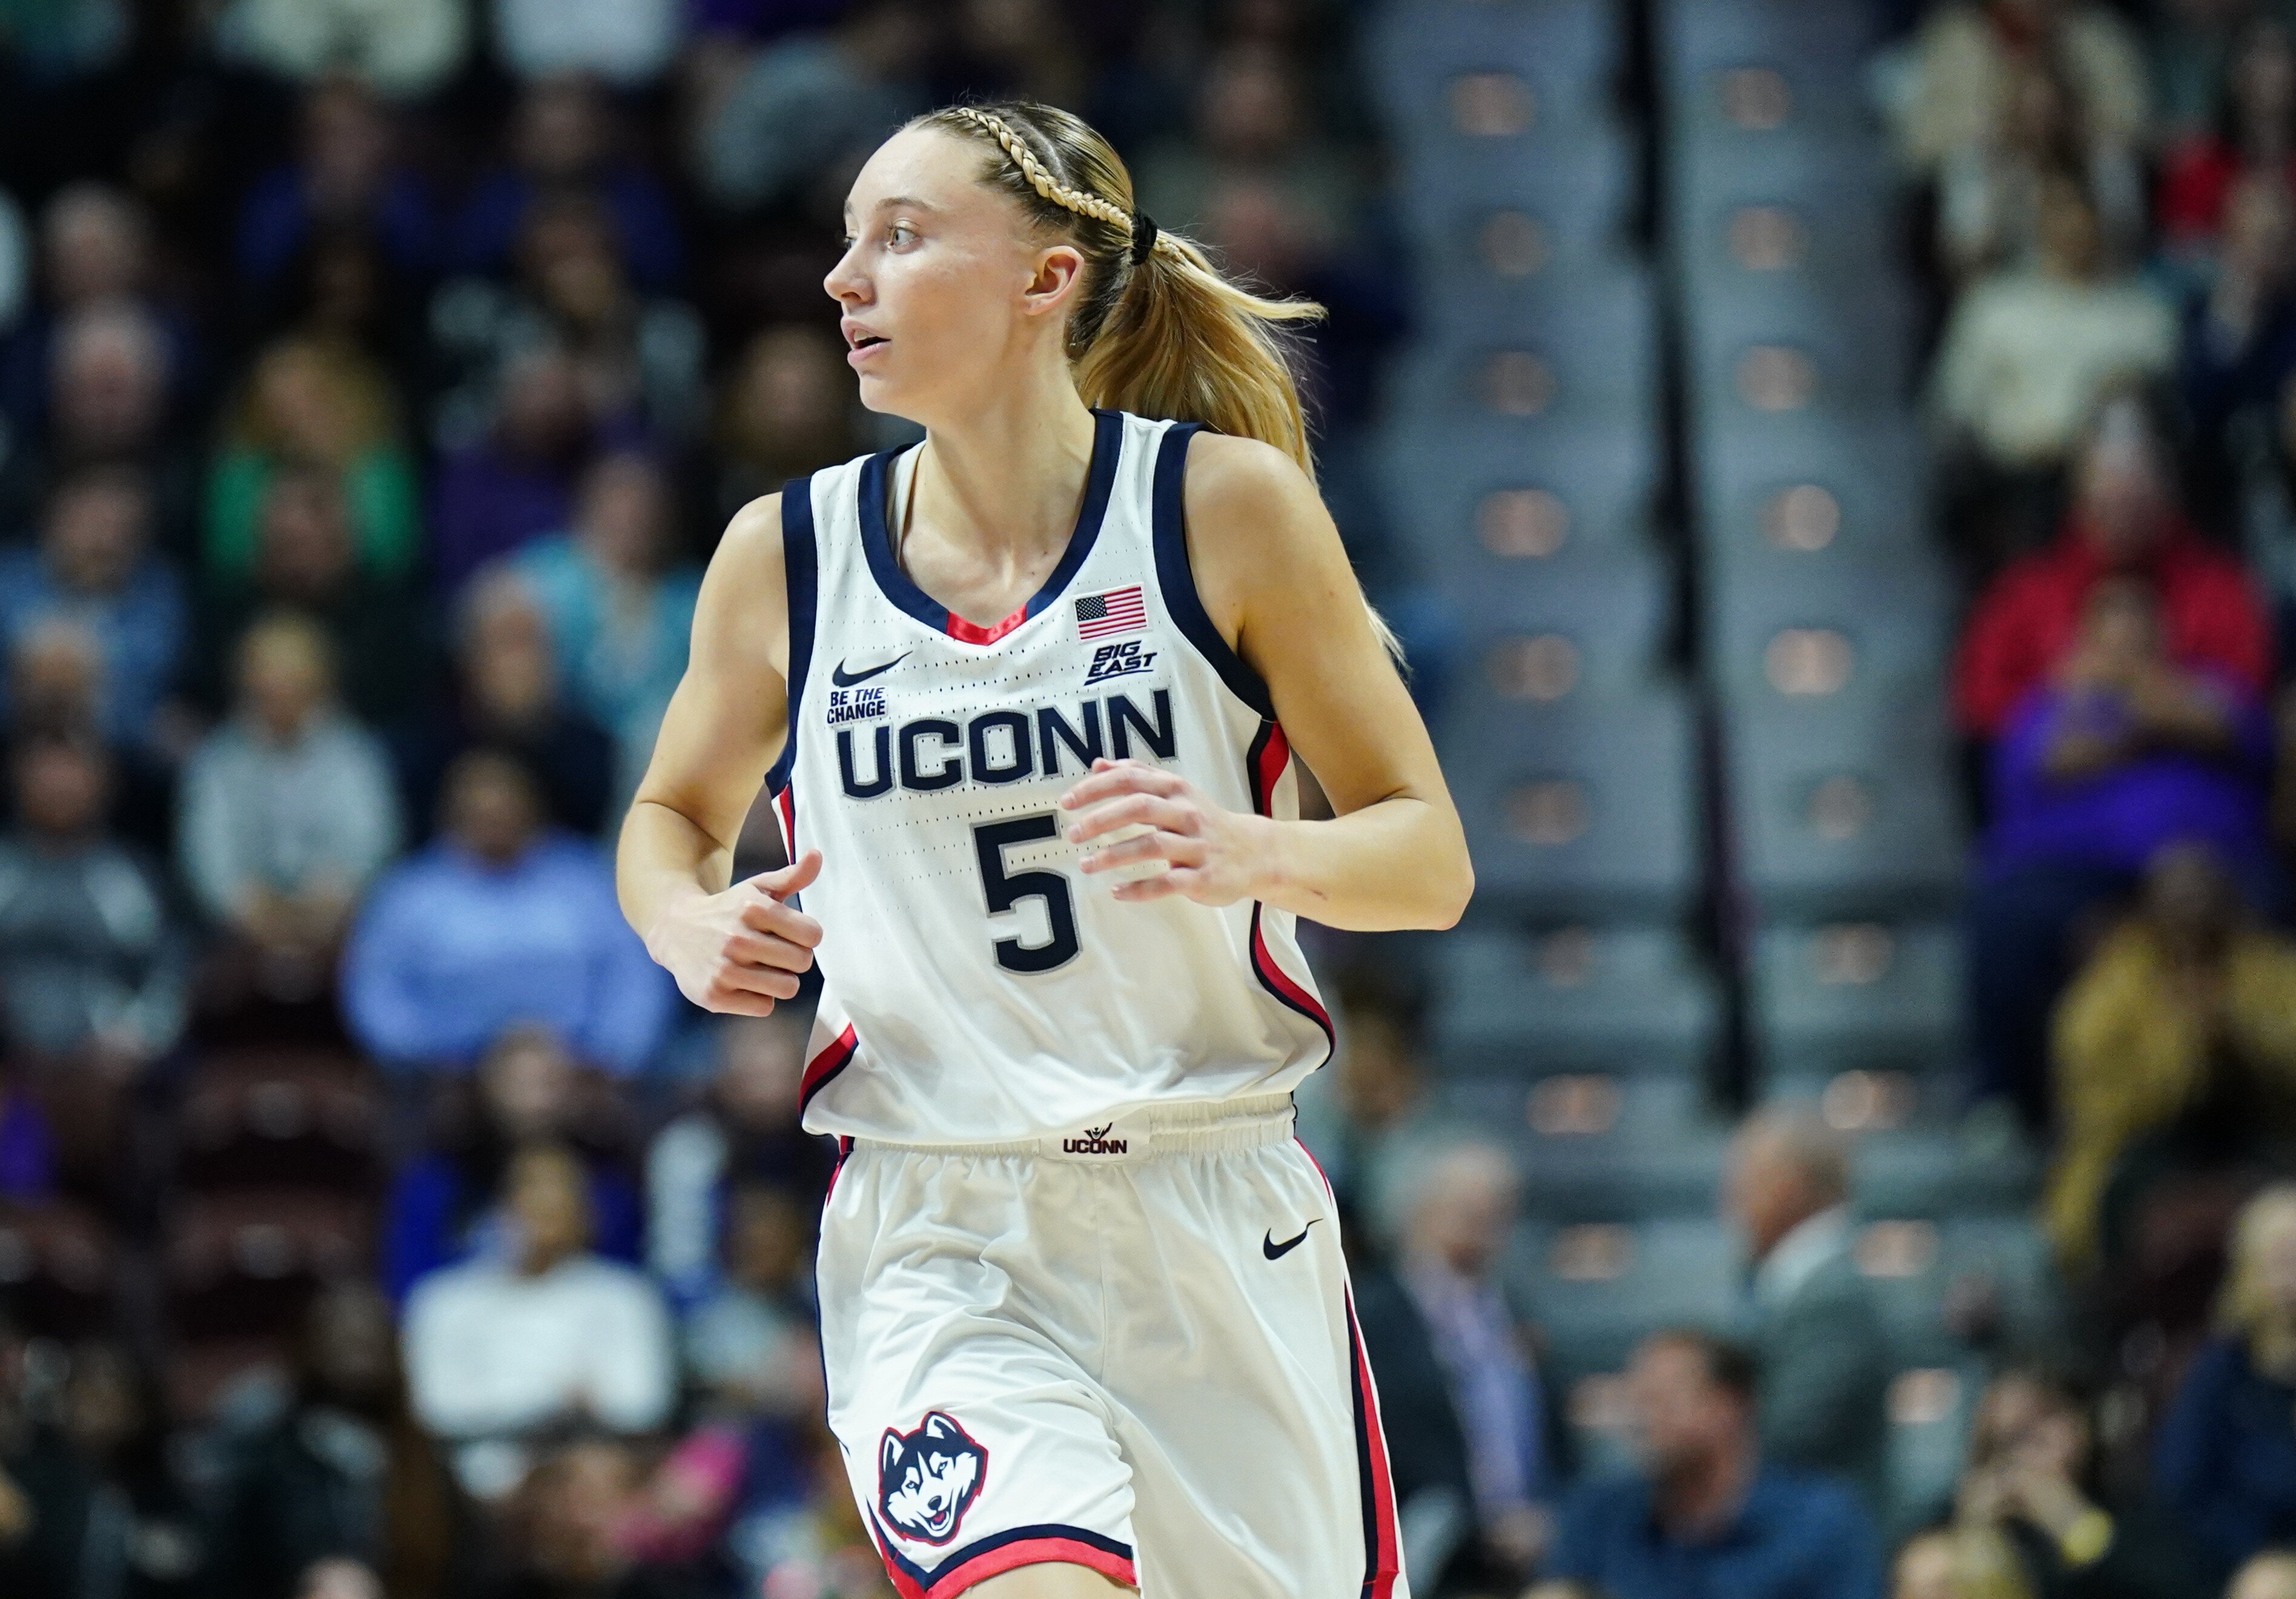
{"x": 1158, "y": 330}
{"x": 1183, "y": 341}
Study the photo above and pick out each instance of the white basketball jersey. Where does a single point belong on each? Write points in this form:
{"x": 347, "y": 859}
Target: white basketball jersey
{"x": 978, "y": 987}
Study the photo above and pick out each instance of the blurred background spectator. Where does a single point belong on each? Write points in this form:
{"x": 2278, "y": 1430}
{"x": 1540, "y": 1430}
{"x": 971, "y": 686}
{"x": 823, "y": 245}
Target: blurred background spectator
{"x": 2267, "y": 1577}
{"x": 347, "y": 183}
{"x": 333, "y": 408}
{"x": 500, "y": 1350}
{"x": 343, "y": 1474}
{"x": 2028, "y": 1515}
{"x": 511, "y": 477}
{"x": 1824, "y": 1357}
{"x": 784, "y": 411}
{"x": 1471, "y": 1443}
{"x": 2226, "y": 1456}
{"x": 2176, "y": 1059}
{"x": 744, "y": 1131}
{"x": 92, "y": 968}
{"x": 93, "y": 566}
{"x": 500, "y": 920}
{"x": 288, "y": 812}
{"x": 1705, "y": 1510}
{"x": 508, "y": 695}
{"x": 402, "y": 49}
{"x": 442, "y": 1208}
{"x": 619, "y": 613}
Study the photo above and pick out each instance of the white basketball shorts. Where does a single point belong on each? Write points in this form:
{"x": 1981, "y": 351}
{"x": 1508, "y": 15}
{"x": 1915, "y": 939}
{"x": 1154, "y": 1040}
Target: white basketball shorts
{"x": 1129, "y": 1347}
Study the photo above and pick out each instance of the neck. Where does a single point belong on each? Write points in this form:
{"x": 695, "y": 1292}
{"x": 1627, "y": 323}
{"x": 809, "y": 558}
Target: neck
{"x": 1005, "y": 483}
{"x": 1697, "y": 1498}
{"x": 541, "y": 1262}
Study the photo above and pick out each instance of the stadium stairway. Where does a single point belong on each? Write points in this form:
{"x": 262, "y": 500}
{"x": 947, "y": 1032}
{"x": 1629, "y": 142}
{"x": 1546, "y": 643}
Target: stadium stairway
{"x": 1655, "y": 458}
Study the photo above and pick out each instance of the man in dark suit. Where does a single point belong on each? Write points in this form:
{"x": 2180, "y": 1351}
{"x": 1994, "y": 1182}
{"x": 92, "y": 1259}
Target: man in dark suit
{"x": 1825, "y": 1358}
{"x": 1470, "y": 1430}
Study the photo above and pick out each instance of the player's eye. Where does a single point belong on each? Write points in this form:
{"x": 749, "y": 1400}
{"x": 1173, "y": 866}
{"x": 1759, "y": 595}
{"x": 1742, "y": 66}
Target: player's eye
{"x": 899, "y": 233}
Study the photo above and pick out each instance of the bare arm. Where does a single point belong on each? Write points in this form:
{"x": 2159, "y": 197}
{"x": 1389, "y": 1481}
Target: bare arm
{"x": 1275, "y": 580}
{"x": 732, "y": 947}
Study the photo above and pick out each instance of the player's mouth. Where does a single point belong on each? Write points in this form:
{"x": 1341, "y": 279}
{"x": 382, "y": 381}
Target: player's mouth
{"x": 861, "y": 341}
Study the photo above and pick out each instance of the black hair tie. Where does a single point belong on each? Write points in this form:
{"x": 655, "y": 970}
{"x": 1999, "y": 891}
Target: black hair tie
{"x": 1143, "y": 236}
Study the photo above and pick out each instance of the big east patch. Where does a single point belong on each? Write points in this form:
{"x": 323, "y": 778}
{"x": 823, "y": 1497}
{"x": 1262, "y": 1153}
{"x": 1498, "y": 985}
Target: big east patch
{"x": 927, "y": 1479}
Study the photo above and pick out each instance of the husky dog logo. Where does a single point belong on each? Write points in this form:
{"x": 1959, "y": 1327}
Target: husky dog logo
{"x": 927, "y": 1479}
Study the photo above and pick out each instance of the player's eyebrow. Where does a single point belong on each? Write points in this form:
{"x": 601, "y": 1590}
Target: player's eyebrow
{"x": 901, "y": 202}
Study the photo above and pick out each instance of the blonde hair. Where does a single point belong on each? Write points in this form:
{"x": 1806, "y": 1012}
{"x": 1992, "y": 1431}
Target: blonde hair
{"x": 2248, "y": 1309}
{"x": 1156, "y": 332}
{"x": 358, "y": 413}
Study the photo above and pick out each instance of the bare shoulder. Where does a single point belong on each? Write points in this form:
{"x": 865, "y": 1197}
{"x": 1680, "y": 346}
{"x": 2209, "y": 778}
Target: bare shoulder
{"x": 1254, "y": 520}
{"x": 1231, "y": 478}
{"x": 743, "y": 610}
{"x": 752, "y": 541}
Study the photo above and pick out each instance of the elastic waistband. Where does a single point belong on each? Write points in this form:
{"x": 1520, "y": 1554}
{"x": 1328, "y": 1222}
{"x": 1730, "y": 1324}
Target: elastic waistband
{"x": 1196, "y": 1127}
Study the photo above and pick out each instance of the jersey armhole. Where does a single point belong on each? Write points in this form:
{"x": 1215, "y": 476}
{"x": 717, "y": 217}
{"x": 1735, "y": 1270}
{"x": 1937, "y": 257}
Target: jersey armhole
{"x": 800, "y": 569}
{"x": 1177, "y": 580}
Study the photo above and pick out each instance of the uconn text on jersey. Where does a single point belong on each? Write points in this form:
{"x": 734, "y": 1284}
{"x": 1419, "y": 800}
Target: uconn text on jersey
{"x": 1006, "y": 745}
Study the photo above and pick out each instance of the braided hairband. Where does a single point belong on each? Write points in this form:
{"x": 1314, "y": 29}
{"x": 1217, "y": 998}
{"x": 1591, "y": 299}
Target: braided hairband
{"x": 1138, "y": 224}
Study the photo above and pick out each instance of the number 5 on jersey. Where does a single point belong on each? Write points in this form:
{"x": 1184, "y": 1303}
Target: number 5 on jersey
{"x": 1006, "y": 890}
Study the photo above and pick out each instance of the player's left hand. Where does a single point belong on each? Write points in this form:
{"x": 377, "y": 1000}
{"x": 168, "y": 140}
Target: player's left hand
{"x": 1214, "y": 856}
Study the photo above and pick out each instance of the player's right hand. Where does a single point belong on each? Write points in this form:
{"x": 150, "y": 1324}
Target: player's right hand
{"x": 738, "y": 952}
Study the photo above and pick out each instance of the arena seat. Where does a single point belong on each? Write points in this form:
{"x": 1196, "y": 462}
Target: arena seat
{"x": 59, "y": 1269}
{"x": 1807, "y": 214}
{"x": 1841, "y": 809}
{"x": 1757, "y": 352}
{"x": 1615, "y": 1000}
{"x": 1563, "y": 56}
{"x": 1508, "y": 491}
{"x": 1601, "y": 1147}
{"x": 281, "y": 1118}
{"x": 1586, "y": 625}
{"x": 1461, "y": 301}
{"x": 1596, "y": 1289}
{"x": 1481, "y": 209}
{"x": 1866, "y": 995}
{"x": 1799, "y": 633}
{"x": 1944, "y": 1172}
{"x": 1829, "y": 495}
{"x": 1592, "y": 358}
{"x": 1858, "y": 1099}
{"x": 1713, "y": 58}
{"x": 1581, "y": 812}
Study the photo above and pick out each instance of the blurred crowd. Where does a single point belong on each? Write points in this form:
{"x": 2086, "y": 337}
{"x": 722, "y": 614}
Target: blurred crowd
{"x": 375, "y": 1218}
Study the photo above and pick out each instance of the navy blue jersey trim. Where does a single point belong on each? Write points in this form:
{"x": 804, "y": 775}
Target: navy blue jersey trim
{"x": 989, "y": 1545}
{"x": 877, "y": 541}
{"x": 1364, "y": 1475}
{"x": 1177, "y": 580}
{"x": 802, "y": 569}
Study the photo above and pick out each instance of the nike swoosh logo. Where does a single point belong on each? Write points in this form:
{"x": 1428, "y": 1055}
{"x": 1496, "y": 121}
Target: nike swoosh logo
{"x": 1276, "y": 1251}
{"x": 845, "y": 679}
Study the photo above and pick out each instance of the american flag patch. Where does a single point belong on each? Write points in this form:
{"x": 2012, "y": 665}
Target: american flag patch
{"x": 1117, "y": 611}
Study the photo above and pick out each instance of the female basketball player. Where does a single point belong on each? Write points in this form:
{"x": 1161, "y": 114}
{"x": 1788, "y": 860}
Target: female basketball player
{"x": 1034, "y": 684}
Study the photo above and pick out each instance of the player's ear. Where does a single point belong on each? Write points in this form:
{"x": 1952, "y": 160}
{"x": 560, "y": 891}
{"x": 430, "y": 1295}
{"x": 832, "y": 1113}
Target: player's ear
{"x": 1058, "y": 269}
